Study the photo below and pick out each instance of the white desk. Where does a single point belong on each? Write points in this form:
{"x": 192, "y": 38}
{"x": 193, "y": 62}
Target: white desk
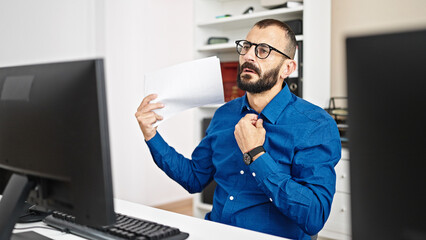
{"x": 198, "y": 229}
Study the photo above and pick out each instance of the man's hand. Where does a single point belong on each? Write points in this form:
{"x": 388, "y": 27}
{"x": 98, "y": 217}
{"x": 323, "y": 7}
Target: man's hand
{"x": 146, "y": 117}
{"x": 249, "y": 132}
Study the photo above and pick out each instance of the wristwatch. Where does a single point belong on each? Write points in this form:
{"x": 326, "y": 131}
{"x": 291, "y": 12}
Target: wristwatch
{"x": 248, "y": 156}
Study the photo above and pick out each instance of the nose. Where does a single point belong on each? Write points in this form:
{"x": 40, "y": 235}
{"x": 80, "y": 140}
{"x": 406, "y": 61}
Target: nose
{"x": 250, "y": 55}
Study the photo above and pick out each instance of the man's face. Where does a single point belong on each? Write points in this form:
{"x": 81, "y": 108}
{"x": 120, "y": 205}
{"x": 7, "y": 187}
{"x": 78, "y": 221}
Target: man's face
{"x": 258, "y": 75}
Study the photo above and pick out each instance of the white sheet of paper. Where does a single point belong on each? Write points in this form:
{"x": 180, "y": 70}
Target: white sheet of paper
{"x": 186, "y": 85}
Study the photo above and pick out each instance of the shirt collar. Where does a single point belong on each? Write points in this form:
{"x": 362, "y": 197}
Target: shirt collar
{"x": 244, "y": 104}
{"x": 274, "y": 108}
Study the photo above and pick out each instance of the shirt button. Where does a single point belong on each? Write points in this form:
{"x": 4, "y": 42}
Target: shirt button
{"x": 270, "y": 199}
{"x": 254, "y": 174}
{"x": 242, "y": 172}
{"x": 231, "y": 198}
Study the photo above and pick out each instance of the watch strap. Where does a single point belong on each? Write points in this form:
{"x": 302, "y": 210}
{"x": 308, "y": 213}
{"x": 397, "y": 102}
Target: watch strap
{"x": 256, "y": 151}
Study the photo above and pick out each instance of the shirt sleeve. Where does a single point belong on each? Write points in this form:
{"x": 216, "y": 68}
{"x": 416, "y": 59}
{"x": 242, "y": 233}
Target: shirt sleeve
{"x": 192, "y": 174}
{"x": 305, "y": 195}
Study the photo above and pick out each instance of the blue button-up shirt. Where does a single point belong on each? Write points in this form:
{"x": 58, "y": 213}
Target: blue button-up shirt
{"x": 287, "y": 191}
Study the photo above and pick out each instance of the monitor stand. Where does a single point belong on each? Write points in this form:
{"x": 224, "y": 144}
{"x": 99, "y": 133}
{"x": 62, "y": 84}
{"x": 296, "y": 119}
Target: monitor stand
{"x": 33, "y": 213}
{"x": 12, "y": 202}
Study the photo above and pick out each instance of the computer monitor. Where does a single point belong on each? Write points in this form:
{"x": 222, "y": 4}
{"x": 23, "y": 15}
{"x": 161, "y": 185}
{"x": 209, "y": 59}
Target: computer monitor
{"x": 386, "y": 76}
{"x": 4, "y": 178}
{"x": 54, "y": 138}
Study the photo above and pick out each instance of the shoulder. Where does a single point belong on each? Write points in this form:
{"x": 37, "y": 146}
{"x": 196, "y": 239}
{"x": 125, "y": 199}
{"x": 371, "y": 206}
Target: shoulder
{"x": 310, "y": 112}
{"x": 226, "y": 115}
{"x": 230, "y": 107}
{"x": 317, "y": 121}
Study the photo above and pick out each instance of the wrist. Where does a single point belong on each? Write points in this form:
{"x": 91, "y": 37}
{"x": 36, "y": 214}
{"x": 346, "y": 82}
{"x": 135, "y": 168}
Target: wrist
{"x": 249, "y": 156}
{"x": 149, "y": 136}
{"x": 258, "y": 155}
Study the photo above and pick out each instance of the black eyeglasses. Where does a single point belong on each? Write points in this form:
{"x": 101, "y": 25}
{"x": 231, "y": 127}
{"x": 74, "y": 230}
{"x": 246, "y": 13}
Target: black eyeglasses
{"x": 262, "y": 50}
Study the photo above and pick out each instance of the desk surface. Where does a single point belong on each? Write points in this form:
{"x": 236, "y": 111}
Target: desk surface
{"x": 197, "y": 228}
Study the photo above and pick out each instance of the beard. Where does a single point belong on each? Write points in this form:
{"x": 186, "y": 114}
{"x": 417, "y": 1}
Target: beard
{"x": 265, "y": 82}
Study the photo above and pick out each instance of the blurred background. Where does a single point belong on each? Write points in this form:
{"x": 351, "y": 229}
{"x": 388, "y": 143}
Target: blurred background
{"x": 139, "y": 36}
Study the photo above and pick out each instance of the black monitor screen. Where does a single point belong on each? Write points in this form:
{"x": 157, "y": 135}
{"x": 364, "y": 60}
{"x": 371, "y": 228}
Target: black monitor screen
{"x": 387, "y": 135}
{"x": 4, "y": 178}
{"x": 54, "y": 131}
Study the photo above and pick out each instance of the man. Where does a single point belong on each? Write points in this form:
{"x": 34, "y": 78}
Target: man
{"x": 271, "y": 153}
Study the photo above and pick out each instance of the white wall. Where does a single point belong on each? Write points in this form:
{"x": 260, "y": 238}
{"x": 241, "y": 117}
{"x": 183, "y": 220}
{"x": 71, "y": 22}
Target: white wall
{"x": 143, "y": 36}
{"x": 316, "y": 48}
{"x": 135, "y": 37}
{"x": 364, "y": 17}
{"x": 45, "y": 31}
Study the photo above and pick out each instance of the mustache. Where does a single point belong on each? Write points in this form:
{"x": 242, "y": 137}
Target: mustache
{"x": 250, "y": 66}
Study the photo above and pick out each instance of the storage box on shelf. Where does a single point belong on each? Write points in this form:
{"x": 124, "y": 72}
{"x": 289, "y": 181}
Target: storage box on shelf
{"x": 229, "y": 76}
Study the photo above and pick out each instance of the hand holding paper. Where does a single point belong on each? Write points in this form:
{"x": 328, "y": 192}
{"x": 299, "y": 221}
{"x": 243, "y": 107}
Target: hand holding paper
{"x": 186, "y": 85}
{"x": 147, "y": 117}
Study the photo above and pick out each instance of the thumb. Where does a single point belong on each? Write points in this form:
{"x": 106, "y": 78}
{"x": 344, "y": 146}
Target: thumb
{"x": 259, "y": 123}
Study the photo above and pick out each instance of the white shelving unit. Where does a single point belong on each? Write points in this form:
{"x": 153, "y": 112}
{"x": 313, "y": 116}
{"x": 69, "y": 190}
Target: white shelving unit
{"x": 338, "y": 225}
{"x": 235, "y": 27}
{"x": 245, "y": 20}
{"x": 227, "y": 47}
{"x": 221, "y": 48}
{"x": 316, "y": 16}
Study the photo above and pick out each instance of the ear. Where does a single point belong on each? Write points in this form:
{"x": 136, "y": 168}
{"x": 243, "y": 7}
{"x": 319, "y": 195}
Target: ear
{"x": 288, "y": 68}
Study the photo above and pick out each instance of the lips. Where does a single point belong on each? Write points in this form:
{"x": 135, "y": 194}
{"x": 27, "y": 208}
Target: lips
{"x": 249, "y": 70}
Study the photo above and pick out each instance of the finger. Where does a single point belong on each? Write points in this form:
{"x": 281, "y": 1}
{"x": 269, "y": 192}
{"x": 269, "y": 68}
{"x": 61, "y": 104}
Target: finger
{"x": 259, "y": 123}
{"x": 158, "y": 117}
{"x": 150, "y": 118}
{"x": 151, "y": 106}
{"x": 146, "y": 100}
{"x": 143, "y": 115}
{"x": 250, "y": 116}
{"x": 146, "y": 119}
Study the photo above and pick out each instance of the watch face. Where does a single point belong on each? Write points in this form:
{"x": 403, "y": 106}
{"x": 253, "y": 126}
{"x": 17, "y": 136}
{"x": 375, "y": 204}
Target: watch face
{"x": 247, "y": 158}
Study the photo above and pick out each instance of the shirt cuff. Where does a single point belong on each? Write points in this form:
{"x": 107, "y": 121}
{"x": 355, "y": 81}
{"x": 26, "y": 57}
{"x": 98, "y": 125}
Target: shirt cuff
{"x": 263, "y": 166}
{"x": 157, "y": 144}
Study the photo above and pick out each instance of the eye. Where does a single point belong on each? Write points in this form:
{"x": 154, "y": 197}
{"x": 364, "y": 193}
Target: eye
{"x": 263, "y": 50}
{"x": 246, "y": 46}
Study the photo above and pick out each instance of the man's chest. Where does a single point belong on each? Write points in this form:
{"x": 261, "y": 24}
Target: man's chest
{"x": 280, "y": 142}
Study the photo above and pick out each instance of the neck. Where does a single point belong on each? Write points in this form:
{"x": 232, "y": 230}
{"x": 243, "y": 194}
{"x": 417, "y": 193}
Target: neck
{"x": 258, "y": 101}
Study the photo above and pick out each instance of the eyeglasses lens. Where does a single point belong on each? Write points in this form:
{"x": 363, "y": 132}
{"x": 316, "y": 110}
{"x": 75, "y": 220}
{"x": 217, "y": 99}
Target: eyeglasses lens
{"x": 243, "y": 47}
{"x": 262, "y": 50}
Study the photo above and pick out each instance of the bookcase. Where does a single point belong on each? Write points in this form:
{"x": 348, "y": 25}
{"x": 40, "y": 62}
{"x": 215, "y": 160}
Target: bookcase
{"x": 316, "y": 17}
{"x": 235, "y": 27}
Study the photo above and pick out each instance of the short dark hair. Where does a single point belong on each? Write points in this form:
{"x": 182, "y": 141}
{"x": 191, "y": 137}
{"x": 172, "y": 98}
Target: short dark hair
{"x": 290, "y": 49}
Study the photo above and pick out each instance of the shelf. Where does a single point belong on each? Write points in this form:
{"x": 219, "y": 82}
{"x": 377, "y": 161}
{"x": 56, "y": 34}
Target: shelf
{"x": 228, "y": 47}
{"x": 249, "y": 19}
{"x": 212, "y": 106}
{"x": 222, "y": 47}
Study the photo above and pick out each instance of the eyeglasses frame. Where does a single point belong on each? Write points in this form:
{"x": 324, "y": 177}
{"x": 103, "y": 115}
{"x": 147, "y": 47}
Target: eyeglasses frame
{"x": 255, "y": 49}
